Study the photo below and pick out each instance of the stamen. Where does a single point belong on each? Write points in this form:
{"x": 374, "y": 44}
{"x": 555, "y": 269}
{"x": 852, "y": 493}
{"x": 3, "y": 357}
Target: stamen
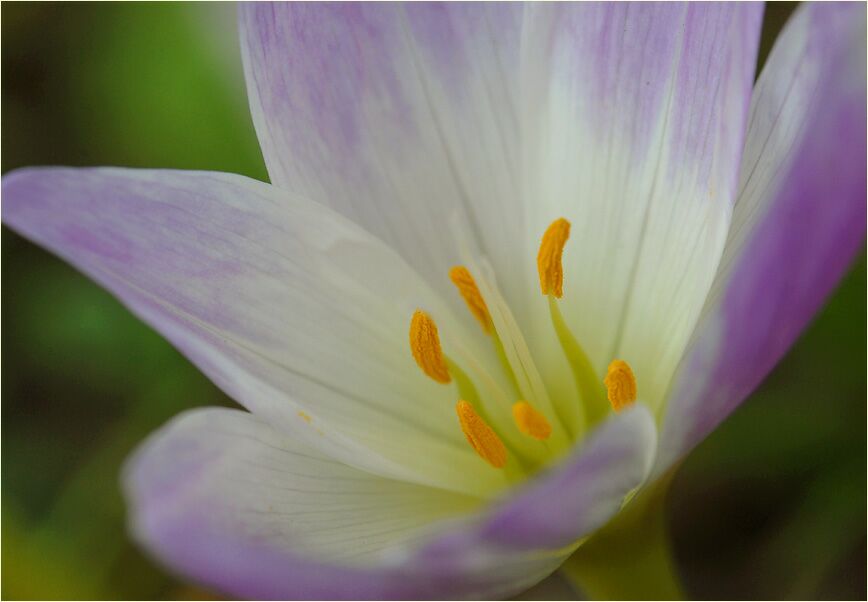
{"x": 466, "y": 285}
{"x": 531, "y": 422}
{"x": 620, "y": 385}
{"x": 425, "y": 345}
{"x": 548, "y": 260}
{"x": 481, "y": 437}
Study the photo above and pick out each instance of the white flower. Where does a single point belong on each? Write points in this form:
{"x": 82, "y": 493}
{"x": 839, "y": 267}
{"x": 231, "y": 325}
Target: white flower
{"x": 417, "y": 155}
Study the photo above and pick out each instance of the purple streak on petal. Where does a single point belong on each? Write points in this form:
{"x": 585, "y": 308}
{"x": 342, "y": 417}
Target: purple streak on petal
{"x": 194, "y": 549}
{"x": 798, "y": 250}
{"x": 86, "y": 230}
{"x": 440, "y": 31}
{"x": 255, "y": 570}
{"x": 312, "y": 68}
{"x": 712, "y": 96}
{"x": 633, "y": 49}
{"x": 615, "y": 55}
{"x": 301, "y": 42}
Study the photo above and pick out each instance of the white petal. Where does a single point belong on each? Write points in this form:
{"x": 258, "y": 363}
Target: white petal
{"x": 295, "y": 312}
{"x": 400, "y": 116}
{"x": 227, "y": 467}
{"x": 634, "y": 117}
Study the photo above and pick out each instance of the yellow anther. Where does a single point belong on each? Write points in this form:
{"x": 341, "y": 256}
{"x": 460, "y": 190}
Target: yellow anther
{"x": 620, "y": 385}
{"x": 425, "y": 345}
{"x": 548, "y": 260}
{"x": 466, "y": 285}
{"x": 531, "y": 422}
{"x": 480, "y": 436}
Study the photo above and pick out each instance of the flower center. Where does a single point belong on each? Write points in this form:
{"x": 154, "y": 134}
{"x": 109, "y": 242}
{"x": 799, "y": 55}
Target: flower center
{"x": 533, "y": 415}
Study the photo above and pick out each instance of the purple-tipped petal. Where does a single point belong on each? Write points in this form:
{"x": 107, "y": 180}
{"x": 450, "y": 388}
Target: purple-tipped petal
{"x": 799, "y": 220}
{"x": 295, "y": 312}
{"x": 635, "y": 116}
{"x": 225, "y": 499}
{"x": 401, "y": 116}
{"x": 222, "y": 496}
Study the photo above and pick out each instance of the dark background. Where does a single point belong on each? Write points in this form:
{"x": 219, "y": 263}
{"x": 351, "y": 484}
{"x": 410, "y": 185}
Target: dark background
{"x": 772, "y": 505}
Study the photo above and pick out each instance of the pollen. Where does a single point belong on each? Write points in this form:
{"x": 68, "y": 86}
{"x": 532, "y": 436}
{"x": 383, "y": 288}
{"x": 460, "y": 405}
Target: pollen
{"x": 425, "y": 345}
{"x": 620, "y": 385}
{"x": 481, "y": 437}
{"x": 530, "y": 421}
{"x": 548, "y": 260}
{"x": 466, "y": 285}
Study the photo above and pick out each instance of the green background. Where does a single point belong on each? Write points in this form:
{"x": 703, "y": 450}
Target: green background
{"x": 771, "y": 505}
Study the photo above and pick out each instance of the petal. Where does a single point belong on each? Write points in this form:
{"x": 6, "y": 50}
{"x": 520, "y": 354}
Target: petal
{"x": 225, "y": 499}
{"x": 571, "y": 501}
{"x": 634, "y": 122}
{"x": 799, "y": 220}
{"x": 296, "y": 313}
{"x": 399, "y": 116}
{"x": 229, "y": 479}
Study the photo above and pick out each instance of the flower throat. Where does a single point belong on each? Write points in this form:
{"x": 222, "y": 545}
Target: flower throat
{"x": 534, "y": 418}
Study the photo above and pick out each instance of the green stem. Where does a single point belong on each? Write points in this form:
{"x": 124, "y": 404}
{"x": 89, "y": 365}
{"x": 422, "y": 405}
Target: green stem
{"x": 630, "y": 558}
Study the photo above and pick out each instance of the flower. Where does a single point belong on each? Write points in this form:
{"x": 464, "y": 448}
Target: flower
{"x": 421, "y": 157}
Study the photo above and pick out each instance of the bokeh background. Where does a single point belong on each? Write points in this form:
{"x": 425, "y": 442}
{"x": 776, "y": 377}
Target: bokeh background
{"x": 772, "y": 505}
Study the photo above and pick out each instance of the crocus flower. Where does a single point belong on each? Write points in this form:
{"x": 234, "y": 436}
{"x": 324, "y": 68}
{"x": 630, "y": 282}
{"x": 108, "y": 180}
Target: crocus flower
{"x": 598, "y": 232}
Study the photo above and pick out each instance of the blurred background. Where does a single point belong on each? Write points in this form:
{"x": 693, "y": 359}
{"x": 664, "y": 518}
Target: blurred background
{"x": 772, "y": 505}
